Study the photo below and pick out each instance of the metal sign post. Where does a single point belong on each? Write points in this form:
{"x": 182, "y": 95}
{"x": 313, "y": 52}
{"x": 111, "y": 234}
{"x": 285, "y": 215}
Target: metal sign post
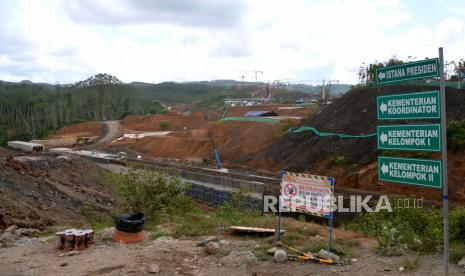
{"x": 422, "y": 105}
{"x": 445, "y": 188}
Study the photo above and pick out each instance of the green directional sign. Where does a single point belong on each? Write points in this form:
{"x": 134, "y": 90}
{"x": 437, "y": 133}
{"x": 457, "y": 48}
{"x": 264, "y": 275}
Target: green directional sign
{"x": 420, "y": 172}
{"x": 410, "y": 137}
{"x": 421, "y": 105}
{"x": 409, "y": 71}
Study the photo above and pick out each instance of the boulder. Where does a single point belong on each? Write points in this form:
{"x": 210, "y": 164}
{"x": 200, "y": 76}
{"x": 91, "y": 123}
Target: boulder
{"x": 280, "y": 256}
{"x": 327, "y": 255}
{"x": 154, "y": 268}
{"x": 212, "y": 247}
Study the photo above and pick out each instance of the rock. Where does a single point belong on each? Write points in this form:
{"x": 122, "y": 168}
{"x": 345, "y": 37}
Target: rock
{"x": 280, "y": 256}
{"x": 73, "y": 253}
{"x": 223, "y": 242}
{"x": 401, "y": 269}
{"x": 212, "y": 247}
{"x": 239, "y": 258}
{"x": 328, "y": 255}
{"x": 107, "y": 233}
{"x": 154, "y": 268}
{"x": 207, "y": 240}
{"x": 29, "y": 232}
{"x": 164, "y": 238}
{"x": 272, "y": 250}
{"x": 11, "y": 229}
{"x": 462, "y": 262}
{"x": 353, "y": 260}
{"x": 64, "y": 264}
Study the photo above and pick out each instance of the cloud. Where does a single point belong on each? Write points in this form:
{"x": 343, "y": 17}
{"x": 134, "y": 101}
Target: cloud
{"x": 187, "y": 13}
{"x": 153, "y": 41}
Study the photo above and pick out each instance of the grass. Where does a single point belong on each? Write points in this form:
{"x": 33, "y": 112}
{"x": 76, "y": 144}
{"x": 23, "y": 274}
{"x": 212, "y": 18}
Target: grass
{"x": 417, "y": 229}
{"x": 457, "y": 252}
{"x": 410, "y": 262}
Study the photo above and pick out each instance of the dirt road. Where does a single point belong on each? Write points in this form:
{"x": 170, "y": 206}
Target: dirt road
{"x": 182, "y": 257}
{"x": 113, "y": 130}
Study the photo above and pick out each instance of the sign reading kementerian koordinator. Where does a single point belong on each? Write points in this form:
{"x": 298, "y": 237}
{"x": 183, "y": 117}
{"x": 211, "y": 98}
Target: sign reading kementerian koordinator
{"x": 421, "y": 105}
{"x": 421, "y": 172}
{"x": 408, "y": 71}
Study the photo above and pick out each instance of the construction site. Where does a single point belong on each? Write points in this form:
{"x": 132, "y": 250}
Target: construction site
{"x": 232, "y": 137}
{"x": 48, "y": 184}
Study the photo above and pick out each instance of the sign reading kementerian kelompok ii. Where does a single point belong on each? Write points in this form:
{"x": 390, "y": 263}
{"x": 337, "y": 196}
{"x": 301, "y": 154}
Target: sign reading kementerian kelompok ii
{"x": 306, "y": 193}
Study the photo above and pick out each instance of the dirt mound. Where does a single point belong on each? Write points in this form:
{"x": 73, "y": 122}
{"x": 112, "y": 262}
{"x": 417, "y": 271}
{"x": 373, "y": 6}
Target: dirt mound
{"x": 239, "y": 142}
{"x": 174, "y": 120}
{"x": 87, "y": 129}
{"x": 39, "y": 190}
{"x": 171, "y": 147}
{"x": 354, "y": 113}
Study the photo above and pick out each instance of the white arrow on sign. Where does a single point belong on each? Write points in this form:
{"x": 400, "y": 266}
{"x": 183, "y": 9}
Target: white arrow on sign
{"x": 384, "y": 169}
{"x": 381, "y": 75}
{"x": 383, "y": 137}
{"x": 383, "y": 107}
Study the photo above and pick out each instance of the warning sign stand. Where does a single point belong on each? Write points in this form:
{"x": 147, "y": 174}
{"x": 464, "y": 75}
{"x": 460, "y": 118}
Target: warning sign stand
{"x": 306, "y": 193}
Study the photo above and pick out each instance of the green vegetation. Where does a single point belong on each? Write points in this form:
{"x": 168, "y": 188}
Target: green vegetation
{"x": 164, "y": 125}
{"x": 418, "y": 229}
{"x": 206, "y": 94}
{"x": 340, "y": 160}
{"x": 31, "y": 111}
{"x": 410, "y": 263}
{"x": 161, "y": 198}
{"x": 457, "y": 252}
{"x": 97, "y": 220}
{"x": 456, "y": 135}
{"x": 149, "y": 192}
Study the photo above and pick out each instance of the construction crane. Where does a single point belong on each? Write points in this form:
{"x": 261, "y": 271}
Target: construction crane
{"x": 256, "y": 72}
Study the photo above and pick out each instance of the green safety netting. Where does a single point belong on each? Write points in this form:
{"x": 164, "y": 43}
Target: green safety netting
{"x": 326, "y": 134}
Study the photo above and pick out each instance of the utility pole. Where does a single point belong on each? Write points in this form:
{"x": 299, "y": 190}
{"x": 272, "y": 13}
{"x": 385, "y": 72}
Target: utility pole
{"x": 324, "y": 87}
{"x": 323, "y": 94}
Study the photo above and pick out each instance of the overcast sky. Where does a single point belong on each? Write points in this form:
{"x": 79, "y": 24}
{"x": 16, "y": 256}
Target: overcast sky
{"x": 185, "y": 40}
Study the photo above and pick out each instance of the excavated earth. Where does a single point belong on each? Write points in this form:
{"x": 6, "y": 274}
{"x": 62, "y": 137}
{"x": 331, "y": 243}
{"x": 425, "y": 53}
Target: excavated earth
{"x": 37, "y": 191}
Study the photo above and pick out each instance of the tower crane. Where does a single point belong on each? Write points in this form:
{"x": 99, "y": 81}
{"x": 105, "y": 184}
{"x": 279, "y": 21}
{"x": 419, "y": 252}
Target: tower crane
{"x": 256, "y": 72}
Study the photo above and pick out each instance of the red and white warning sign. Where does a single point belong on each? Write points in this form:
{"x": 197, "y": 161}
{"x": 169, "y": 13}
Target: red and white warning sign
{"x": 306, "y": 193}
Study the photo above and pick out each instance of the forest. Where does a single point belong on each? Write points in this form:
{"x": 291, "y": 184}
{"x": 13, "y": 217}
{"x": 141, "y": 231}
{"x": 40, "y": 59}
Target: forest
{"x": 32, "y": 111}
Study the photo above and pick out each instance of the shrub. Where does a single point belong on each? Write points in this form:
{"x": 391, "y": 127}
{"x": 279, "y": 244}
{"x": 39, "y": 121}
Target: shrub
{"x": 391, "y": 241}
{"x": 164, "y": 125}
{"x": 457, "y": 225}
{"x": 149, "y": 192}
{"x": 457, "y": 252}
{"x": 421, "y": 228}
{"x": 456, "y": 135}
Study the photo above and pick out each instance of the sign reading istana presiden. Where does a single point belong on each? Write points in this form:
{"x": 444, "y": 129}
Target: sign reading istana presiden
{"x": 409, "y": 71}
